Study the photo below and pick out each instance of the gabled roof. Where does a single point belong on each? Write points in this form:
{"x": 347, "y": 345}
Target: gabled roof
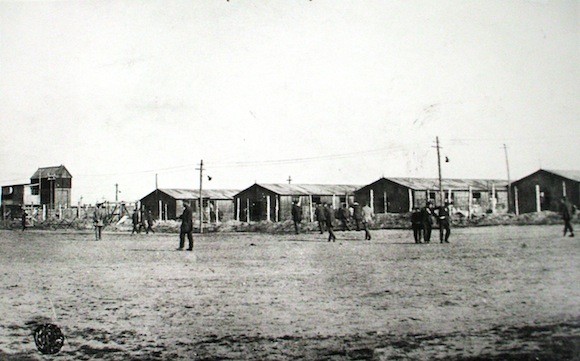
{"x": 309, "y": 189}
{"x": 570, "y": 174}
{"x": 573, "y": 175}
{"x": 447, "y": 183}
{"x": 58, "y": 171}
{"x": 178, "y": 193}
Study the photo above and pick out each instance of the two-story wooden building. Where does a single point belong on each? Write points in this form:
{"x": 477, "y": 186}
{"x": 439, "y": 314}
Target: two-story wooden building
{"x": 53, "y": 185}
{"x": 49, "y": 188}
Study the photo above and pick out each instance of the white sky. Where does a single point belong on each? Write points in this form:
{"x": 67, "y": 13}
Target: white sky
{"x": 120, "y": 90}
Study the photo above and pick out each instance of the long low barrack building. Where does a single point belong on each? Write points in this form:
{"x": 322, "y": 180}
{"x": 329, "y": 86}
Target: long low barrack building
{"x": 468, "y": 196}
{"x": 273, "y": 201}
{"x": 167, "y": 203}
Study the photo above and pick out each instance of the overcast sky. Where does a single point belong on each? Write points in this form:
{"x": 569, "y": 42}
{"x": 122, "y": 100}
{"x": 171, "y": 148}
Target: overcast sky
{"x": 322, "y": 91}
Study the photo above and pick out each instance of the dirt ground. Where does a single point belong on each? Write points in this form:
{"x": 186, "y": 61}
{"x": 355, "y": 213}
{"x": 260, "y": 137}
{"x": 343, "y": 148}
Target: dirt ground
{"x": 494, "y": 293}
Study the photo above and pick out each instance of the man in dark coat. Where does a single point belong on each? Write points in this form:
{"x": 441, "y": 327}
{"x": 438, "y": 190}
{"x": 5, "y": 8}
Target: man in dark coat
{"x": 329, "y": 214}
{"x": 186, "y": 227}
{"x": 416, "y": 224}
{"x": 567, "y": 210}
{"x": 344, "y": 215}
{"x": 135, "y": 219}
{"x": 24, "y": 214}
{"x": 149, "y": 218}
{"x": 320, "y": 217}
{"x": 296, "y": 216}
{"x": 443, "y": 215}
{"x": 427, "y": 221}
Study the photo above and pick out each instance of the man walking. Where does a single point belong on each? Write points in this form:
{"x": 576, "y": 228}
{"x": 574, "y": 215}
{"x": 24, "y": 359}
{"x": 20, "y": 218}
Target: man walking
{"x": 135, "y": 219}
{"x": 444, "y": 222}
{"x": 567, "y": 210}
{"x": 368, "y": 214}
{"x": 344, "y": 215}
{"x": 427, "y": 221}
{"x": 416, "y": 224}
{"x": 320, "y": 217}
{"x": 296, "y": 216}
{"x": 186, "y": 227}
{"x": 329, "y": 215}
{"x": 149, "y": 217}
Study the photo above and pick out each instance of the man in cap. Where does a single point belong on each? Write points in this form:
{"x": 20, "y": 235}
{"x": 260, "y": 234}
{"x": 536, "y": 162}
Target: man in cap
{"x": 427, "y": 221}
{"x": 186, "y": 227}
{"x": 320, "y": 215}
{"x": 416, "y": 224}
{"x": 329, "y": 215}
{"x": 149, "y": 218}
{"x": 344, "y": 216}
{"x": 567, "y": 210}
{"x": 135, "y": 220}
{"x": 296, "y": 216}
{"x": 443, "y": 215}
{"x": 98, "y": 221}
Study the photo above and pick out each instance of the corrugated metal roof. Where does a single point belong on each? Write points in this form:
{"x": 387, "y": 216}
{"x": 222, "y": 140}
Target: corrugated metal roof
{"x": 59, "y": 171}
{"x": 447, "y": 183}
{"x": 310, "y": 189}
{"x": 194, "y": 193}
{"x": 570, "y": 174}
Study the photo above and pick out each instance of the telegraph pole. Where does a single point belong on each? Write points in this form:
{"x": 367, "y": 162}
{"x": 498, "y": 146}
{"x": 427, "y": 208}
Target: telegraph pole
{"x": 507, "y": 164}
{"x": 200, "y": 196}
{"x": 156, "y": 187}
{"x": 289, "y": 179}
{"x": 439, "y": 166}
{"x": 116, "y": 192}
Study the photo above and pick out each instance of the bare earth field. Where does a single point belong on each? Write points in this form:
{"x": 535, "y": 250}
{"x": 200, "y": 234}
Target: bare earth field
{"x": 494, "y": 293}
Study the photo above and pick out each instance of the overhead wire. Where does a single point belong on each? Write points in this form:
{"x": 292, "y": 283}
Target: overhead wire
{"x": 277, "y": 162}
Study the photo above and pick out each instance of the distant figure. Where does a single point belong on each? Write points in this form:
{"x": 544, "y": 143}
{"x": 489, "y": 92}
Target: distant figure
{"x": 443, "y": 215}
{"x": 143, "y": 220}
{"x": 296, "y": 216}
{"x": 149, "y": 218}
{"x": 427, "y": 221}
{"x": 368, "y": 215}
{"x": 320, "y": 217}
{"x": 98, "y": 221}
{"x": 416, "y": 224}
{"x": 343, "y": 216}
{"x": 567, "y": 210}
{"x": 135, "y": 219}
{"x": 357, "y": 215}
{"x": 24, "y": 215}
{"x": 186, "y": 227}
{"x": 329, "y": 215}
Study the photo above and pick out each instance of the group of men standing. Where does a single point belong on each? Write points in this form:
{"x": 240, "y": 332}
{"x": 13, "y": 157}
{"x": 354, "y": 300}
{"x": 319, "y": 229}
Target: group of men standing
{"x": 143, "y": 222}
{"x": 325, "y": 215}
{"x": 139, "y": 222}
{"x": 422, "y": 222}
